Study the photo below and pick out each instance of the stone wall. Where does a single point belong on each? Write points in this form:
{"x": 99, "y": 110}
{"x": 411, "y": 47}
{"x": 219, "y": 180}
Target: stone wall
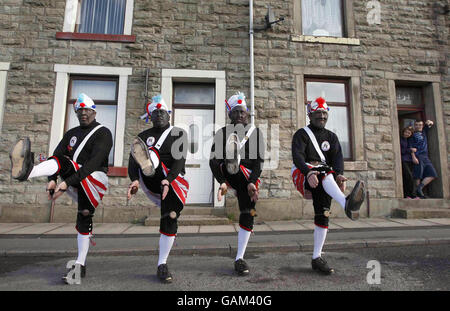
{"x": 213, "y": 35}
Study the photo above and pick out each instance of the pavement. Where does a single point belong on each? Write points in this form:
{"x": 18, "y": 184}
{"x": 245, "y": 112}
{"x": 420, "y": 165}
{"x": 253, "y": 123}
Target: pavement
{"x": 59, "y": 239}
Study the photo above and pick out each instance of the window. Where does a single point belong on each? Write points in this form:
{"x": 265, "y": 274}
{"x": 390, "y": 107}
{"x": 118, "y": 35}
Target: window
{"x": 324, "y": 21}
{"x": 335, "y": 93}
{"x": 322, "y": 18}
{"x": 194, "y": 94}
{"x": 99, "y": 16}
{"x": 194, "y": 133}
{"x": 103, "y": 20}
{"x": 103, "y": 92}
{"x": 410, "y": 105}
{"x": 108, "y": 86}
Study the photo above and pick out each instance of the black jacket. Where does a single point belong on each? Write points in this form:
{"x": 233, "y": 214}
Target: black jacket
{"x": 303, "y": 149}
{"x": 251, "y": 158}
{"x": 93, "y": 157}
{"x": 174, "y": 162}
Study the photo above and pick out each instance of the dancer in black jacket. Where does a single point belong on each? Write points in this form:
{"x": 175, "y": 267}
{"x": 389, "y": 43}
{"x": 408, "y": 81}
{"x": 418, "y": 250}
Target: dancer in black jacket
{"x": 237, "y": 157}
{"x": 157, "y": 164}
{"x": 318, "y": 168}
{"x": 81, "y": 160}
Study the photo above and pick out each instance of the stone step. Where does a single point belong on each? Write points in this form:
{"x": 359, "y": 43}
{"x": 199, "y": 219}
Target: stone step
{"x": 416, "y": 213}
{"x": 191, "y": 220}
{"x": 424, "y": 204}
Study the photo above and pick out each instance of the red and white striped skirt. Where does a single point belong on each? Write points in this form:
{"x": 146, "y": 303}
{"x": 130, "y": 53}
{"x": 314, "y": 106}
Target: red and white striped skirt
{"x": 180, "y": 185}
{"x": 94, "y": 186}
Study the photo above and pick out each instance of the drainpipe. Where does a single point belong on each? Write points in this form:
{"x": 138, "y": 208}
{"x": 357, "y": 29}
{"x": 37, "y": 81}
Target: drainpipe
{"x": 252, "y": 73}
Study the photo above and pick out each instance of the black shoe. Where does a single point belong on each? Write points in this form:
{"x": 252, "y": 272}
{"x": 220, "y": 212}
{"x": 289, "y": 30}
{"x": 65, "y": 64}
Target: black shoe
{"x": 83, "y": 271}
{"x": 232, "y": 158}
{"x": 141, "y": 154}
{"x": 69, "y": 277}
{"x": 354, "y": 200}
{"x": 241, "y": 267}
{"x": 164, "y": 274}
{"x": 21, "y": 159}
{"x": 319, "y": 264}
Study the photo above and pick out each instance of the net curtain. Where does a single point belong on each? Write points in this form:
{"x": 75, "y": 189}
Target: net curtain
{"x": 102, "y": 16}
{"x": 322, "y": 17}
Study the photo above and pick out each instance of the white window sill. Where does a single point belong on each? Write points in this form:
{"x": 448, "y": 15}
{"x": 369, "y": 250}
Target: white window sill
{"x": 330, "y": 40}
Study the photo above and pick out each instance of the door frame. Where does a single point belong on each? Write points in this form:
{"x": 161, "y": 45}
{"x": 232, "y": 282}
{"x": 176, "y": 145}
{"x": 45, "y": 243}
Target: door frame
{"x": 168, "y": 76}
{"x": 433, "y": 109}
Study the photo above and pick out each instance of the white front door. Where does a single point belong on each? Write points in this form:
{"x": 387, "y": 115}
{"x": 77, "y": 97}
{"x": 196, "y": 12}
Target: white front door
{"x": 198, "y": 123}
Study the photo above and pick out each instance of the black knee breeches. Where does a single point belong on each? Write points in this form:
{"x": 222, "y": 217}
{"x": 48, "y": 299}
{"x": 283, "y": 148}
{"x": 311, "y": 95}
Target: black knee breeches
{"x": 84, "y": 223}
{"x": 321, "y": 199}
{"x": 239, "y": 183}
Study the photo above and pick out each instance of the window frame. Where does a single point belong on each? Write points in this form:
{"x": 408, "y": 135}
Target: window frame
{"x": 359, "y": 163}
{"x": 70, "y": 17}
{"x": 70, "y": 102}
{"x": 338, "y": 104}
{"x": 63, "y": 73}
{"x": 4, "y": 68}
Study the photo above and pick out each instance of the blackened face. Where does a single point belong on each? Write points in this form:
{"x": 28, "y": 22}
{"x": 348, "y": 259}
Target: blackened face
{"x": 239, "y": 115}
{"x": 86, "y": 116}
{"x": 160, "y": 118}
{"x": 319, "y": 119}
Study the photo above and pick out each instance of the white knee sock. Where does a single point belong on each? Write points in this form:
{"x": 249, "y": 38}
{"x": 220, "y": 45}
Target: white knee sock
{"x": 83, "y": 247}
{"x": 165, "y": 245}
{"x": 46, "y": 168}
{"x": 330, "y": 186}
{"x": 319, "y": 239}
{"x": 243, "y": 237}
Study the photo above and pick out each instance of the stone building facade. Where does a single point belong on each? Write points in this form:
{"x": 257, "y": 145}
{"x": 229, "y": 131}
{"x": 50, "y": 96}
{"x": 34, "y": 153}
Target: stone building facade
{"x": 174, "y": 44}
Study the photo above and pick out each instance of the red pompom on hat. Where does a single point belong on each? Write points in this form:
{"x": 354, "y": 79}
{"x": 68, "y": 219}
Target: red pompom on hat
{"x": 84, "y": 101}
{"x": 157, "y": 103}
{"x": 235, "y": 100}
{"x": 319, "y": 104}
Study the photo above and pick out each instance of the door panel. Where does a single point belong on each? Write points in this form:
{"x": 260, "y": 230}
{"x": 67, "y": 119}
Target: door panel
{"x": 198, "y": 123}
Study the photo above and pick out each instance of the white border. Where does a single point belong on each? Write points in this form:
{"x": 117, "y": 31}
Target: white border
{"x": 4, "y": 67}
{"x": 70, "y": 16}
{"x": 188, "y": 75}
{"x": 60, "y": 100}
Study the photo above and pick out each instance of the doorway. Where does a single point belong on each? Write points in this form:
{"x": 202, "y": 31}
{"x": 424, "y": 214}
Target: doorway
{"x": 411, "y": 107}
{"x": 193, "y": 110}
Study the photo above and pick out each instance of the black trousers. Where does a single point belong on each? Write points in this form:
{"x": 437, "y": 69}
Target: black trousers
{"x": 167, "y": 225}
{"x": 84, "y": 224}
{"x": 239, "y": 183}
{"x": 408, "y": 179}
{"x": 321, "y": 199}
